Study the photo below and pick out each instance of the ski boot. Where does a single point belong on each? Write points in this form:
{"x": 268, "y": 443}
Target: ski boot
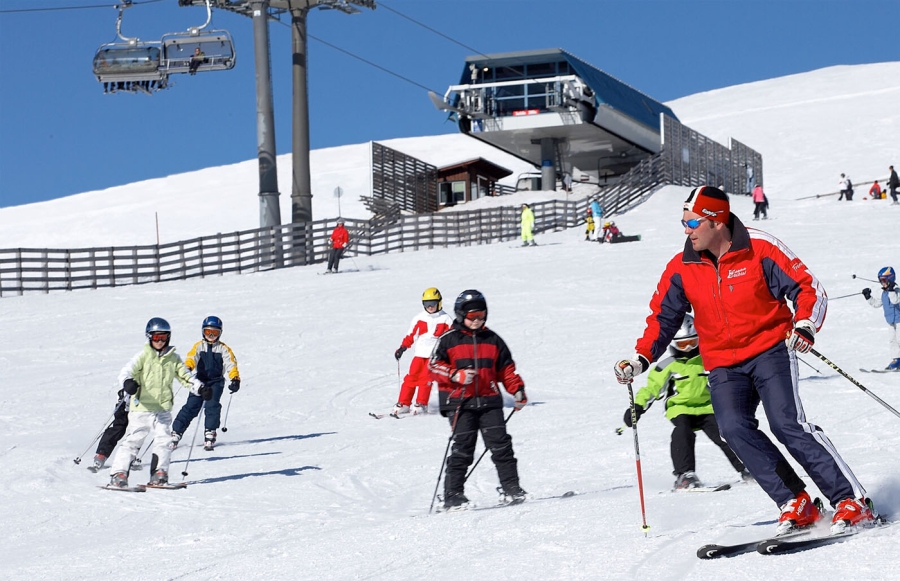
{"x": 798, "y": 513}
{"x": 209, "y": 440}
{"x": 159, "y": 478}
{"x": 399, "y": 410}
{"x": 99, "y": 461}
{"x": 419, "y": 409}
{"x": 173, "y": 443}
{"x": 851, "y": 512}
{"x": 894, "y": 365}
{"x": 118, "y": 480}
{"x": 455, "y": 501}
{"x": 687, "y": 481}
{"x": 512, "y": 494}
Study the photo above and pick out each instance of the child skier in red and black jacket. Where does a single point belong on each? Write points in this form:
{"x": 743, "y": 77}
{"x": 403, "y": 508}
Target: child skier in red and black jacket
{"x": 468, "y": 364}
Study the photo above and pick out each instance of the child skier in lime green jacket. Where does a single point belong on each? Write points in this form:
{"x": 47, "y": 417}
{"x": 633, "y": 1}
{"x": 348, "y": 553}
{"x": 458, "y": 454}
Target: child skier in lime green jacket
{"x": 682, "y": 382}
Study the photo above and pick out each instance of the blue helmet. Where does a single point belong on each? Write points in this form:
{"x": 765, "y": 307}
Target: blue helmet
{"x": 212, "y": 322}
{"x": 888, "y": 275}
{"x": 157, "y": 325}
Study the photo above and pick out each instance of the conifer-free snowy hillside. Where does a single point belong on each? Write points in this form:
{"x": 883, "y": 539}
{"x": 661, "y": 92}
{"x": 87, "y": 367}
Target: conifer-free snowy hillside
{"x": 305, "y": 485}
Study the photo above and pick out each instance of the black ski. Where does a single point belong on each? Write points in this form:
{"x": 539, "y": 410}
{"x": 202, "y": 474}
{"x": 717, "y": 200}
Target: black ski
{"x": 716, "y": 551}
{"x": 782, "y": 546}
{"x": 718, "y": 488}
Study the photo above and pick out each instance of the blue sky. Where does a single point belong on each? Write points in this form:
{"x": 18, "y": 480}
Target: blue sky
{"x": 60, "y": 135}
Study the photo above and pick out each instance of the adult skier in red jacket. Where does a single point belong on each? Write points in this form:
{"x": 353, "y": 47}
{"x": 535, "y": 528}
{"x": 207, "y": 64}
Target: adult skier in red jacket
{"x": 340, "y": 238}
{"x": 738, "y": 281}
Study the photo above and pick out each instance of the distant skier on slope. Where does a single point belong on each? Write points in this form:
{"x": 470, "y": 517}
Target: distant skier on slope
{"x": 469, "y": 363}
{"x": 424, "y": 331}
{"x": 340, "y": 239}
{"x": 682, "y": 381}
{"x": 738, "y": 282}
{"x": 890, "y": 302}
{"x": 527, "y": 226}
{"x": 147, "y": 379}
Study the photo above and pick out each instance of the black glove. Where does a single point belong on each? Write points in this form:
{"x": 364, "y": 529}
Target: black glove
{"x": 638, "y": 410}
{"x": 234, "y": 386}
{"x": 867, "y": 293}
{"x": 399, "y": 353}
{"x": 130, "y": 386}
{"x": 206, "y": 392}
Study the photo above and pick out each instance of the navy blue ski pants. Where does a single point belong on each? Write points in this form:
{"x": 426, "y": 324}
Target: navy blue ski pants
{"x": 770, "y": 378}
{"x": 212, "y": 410}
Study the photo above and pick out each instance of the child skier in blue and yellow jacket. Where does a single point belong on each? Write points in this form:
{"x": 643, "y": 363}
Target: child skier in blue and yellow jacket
{"x": 213, "y": 362}
{"x": 682, "y": 381}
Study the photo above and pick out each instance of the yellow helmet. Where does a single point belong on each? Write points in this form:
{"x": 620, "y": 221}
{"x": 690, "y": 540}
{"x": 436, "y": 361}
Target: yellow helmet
{"x": 432, "y": 294}
{"x": 606, "y": 225}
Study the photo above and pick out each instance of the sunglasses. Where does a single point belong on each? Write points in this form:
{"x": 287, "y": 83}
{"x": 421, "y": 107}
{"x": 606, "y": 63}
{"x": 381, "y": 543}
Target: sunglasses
{"x": 211, "y": 334}
{"x": 685, "y": 344}
{"x": 428, "y": 304}
{"x": 693, "y": 224}
{"x": 159, "y": 337}
{"x": 476, "y": 315}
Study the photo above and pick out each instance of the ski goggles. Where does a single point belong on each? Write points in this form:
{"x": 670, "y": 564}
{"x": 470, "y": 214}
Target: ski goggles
{"x": 686, "y": 344}
{"x": 694, "y": 223}
{"x": 476, "y": 315}
{"x": 430, "y": 304}
{"x": 159, "y": 337}
{"x": 211, "y": 334}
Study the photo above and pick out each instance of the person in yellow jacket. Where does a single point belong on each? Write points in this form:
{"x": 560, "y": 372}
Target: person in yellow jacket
{"x": 147, "y": 379}
{"x": 589, "y": 228}
{"x": 527, "y": 226}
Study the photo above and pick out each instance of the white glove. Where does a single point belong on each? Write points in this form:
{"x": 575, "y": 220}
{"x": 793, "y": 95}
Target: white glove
{"x": 463, "y": 376}
{"x": 627, "y": 369}
{"x": 521, "y": 399}
{"x": 802, "y": 337}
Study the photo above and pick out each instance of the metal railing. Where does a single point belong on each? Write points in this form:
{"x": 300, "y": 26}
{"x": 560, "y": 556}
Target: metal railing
{"x": 45, "y": 269}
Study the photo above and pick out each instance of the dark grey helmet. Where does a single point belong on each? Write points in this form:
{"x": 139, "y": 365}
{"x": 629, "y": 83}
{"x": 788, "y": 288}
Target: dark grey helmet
{"x": 469, "y": 300}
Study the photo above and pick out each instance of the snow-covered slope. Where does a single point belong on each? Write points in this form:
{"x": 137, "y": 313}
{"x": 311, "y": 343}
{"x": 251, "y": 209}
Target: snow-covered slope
{"x": 305, "y": 485}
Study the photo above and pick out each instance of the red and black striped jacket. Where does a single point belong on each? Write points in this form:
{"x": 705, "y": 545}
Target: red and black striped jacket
{"x": 482, "y": 350}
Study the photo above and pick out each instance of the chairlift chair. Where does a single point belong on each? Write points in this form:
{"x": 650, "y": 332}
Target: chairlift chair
{"x": 216, "y": 46}
{"x": 130, "y": 67}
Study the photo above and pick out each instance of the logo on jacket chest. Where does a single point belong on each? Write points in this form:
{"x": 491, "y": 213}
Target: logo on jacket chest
{"x": 737, "y": 272}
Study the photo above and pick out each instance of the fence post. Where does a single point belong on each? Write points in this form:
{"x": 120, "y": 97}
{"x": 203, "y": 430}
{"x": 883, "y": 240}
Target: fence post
{"x": 19, "y": 271}
{"x": 46, "y": 264}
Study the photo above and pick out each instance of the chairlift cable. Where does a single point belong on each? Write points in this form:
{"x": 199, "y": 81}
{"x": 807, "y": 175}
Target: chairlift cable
{"x": 14, "y": 10}
{"x": 357, "y": 57}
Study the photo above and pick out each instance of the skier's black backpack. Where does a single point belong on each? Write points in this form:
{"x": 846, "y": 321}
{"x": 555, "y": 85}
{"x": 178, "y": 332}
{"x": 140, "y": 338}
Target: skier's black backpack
{"x": 849, "y": 186}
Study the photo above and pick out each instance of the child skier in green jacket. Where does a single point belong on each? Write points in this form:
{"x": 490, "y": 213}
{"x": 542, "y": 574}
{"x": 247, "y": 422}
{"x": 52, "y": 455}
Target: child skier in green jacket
{"x": 682, "y": 381}
{"x": 147, "y": 379}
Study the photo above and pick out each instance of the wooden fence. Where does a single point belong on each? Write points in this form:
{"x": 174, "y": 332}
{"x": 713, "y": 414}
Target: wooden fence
{"x": 45, "y": 269}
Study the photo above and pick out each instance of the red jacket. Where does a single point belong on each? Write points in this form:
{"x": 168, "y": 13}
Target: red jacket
{"x": 484, "y": 351}
{"x": 339, "y": 237}
{"x": 740, "y": 305}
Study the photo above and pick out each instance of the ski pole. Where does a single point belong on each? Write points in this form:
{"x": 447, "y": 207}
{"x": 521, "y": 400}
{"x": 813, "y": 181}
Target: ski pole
{"x": 854, "y": 382}
{"x": 862, "y": 278}
{"x": 637, "y": 458}
{"x": 810, "y": 366}
{"x": 472, "y": 469}
{"x": 844, "y": 296}
{"x": 447, "y": 449}
{"x": 193, "y": 440}
{"x": 224, "y": 427}
{"x": 103, "y": 429}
